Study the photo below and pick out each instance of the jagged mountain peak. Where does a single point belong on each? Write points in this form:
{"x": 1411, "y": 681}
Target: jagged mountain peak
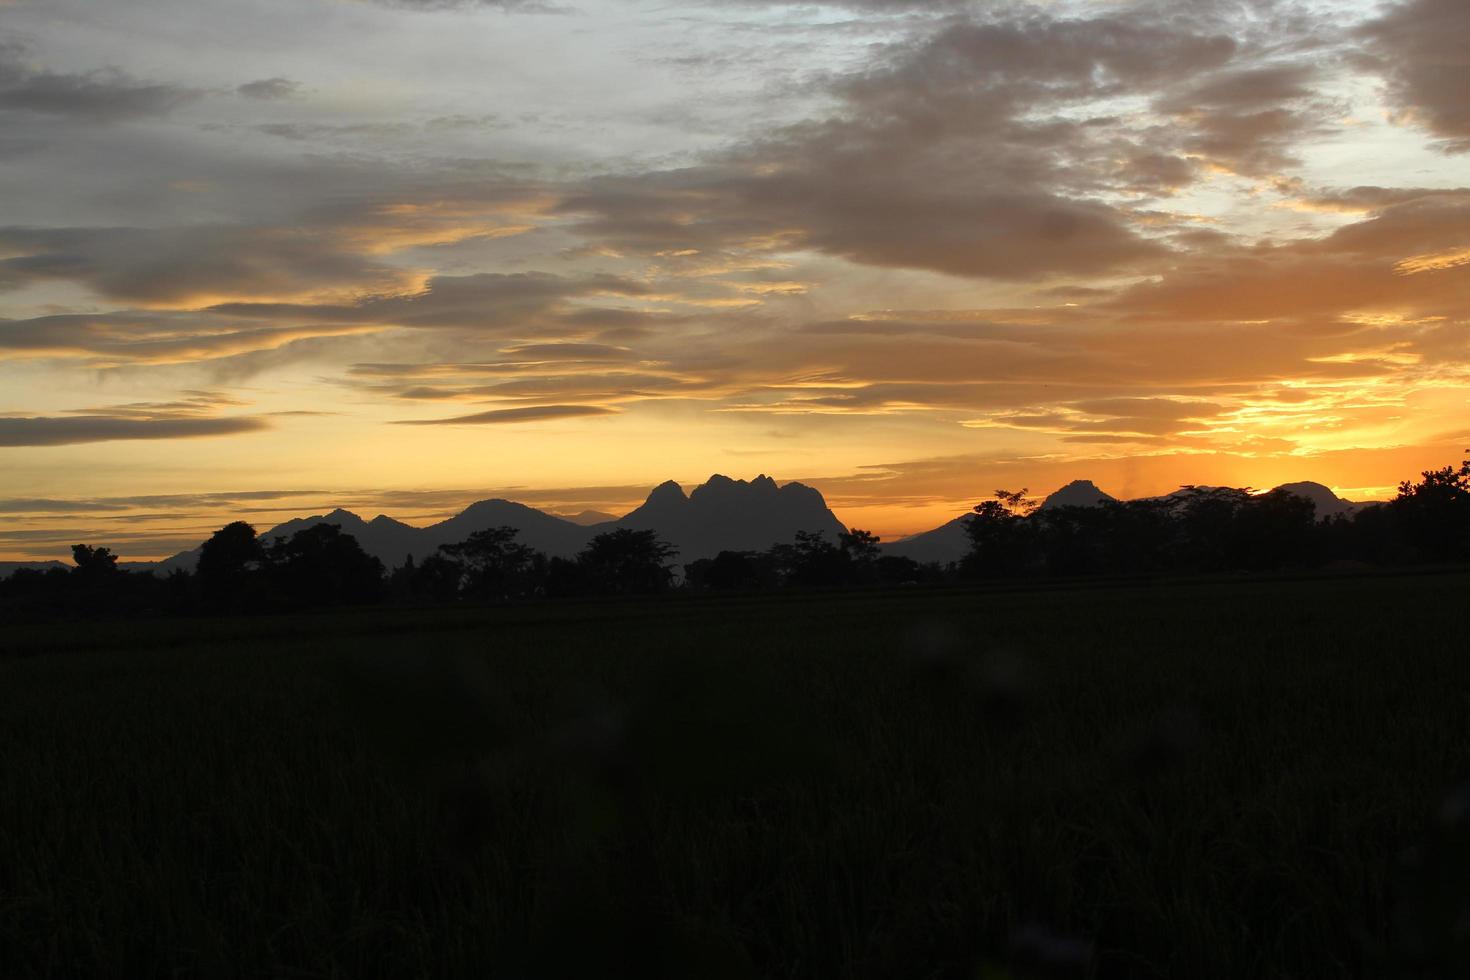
{"x": 721, "y": 487}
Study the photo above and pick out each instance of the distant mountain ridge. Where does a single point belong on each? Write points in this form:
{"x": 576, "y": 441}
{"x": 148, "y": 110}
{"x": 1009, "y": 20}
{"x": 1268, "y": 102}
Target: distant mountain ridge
{"x": 949, "y": 542}
{"x": 720, "y": 514}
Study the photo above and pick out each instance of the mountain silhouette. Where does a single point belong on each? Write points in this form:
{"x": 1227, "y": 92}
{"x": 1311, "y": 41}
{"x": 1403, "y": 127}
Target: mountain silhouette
{"x": 948, "y": 542}
{"x": 554, "y": 536}
{"x": 8, "y": 568}
{"x": 719, "y": 515}
{"x": 732, "y": 515}
{"x": 587, "y": 518}
{"x": 1328, "y": 503}
{"x": 944, "y": 544}
{"x": 1078, "y": 493}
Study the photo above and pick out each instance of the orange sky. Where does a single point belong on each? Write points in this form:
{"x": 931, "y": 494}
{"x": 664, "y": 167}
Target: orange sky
{"x": 280, "y": 258}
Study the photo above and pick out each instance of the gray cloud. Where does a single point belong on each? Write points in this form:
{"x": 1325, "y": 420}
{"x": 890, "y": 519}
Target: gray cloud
{"x": 103, "y": 95}
{"x": 529, "y": 305}
{"x": 488, "y": 300}
{"x": 504, "y": 416}
{"x": 1422, "y": 47}
{"x": 184, "y": 264}
{"x": 1249, "y": 119}
{"x": 270, "y": 89}
{"x": 509, "y": 6}
{"x": 71, "y": 430}
{"x": 940, "y": 157}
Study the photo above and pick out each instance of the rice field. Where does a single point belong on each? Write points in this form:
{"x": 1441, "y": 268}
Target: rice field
{"x": 1255, "y": 778}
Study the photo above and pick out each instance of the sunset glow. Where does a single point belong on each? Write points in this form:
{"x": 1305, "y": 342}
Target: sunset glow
{"x": 402, "y": 256}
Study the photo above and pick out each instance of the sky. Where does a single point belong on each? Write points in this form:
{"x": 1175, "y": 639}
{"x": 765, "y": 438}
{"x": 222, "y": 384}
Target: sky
{"x": 263, "y": 258}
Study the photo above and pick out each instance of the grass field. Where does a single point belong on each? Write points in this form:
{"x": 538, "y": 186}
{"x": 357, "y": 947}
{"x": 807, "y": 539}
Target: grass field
{"x": 1220, "y": 780}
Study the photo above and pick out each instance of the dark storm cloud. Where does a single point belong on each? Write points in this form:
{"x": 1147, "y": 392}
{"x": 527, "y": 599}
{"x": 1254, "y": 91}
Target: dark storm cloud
{"x": 71, "y": 430}
{"x": 103, "y": 95}
{"x": 505, "y": 416}
{"x": 1422, "y": 48}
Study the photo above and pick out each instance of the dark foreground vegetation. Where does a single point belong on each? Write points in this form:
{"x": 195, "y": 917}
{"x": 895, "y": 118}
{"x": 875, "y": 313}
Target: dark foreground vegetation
{"x": 1196, "y": 531}
{"x": 1228, "y": 780}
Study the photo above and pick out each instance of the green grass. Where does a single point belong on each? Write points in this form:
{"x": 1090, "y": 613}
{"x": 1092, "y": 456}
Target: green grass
{"x": 1218, "y": 780}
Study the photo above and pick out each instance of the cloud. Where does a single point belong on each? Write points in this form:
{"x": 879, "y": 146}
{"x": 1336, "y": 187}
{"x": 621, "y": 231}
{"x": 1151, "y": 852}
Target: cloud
{"x": 71, "y": 430}
{"x": 329, "y": 243}
{"x": 1422, "y": 49}
{"x": 17, "y": 506}
{"x": 108, "y": 339}
{"x": 525, "y": 305}
{"x": 103, "y": 95}
{"x": 194, "y": 264}
{"x": 270, "y": 89}
{"x": 505, "y": 416}
{"x": 1247, "y": 120}
{"x": 482, "y": 301}
{"x": 509, "y": 6}
{"x": 876, "y": 6}
{"x": 943, "y": 155}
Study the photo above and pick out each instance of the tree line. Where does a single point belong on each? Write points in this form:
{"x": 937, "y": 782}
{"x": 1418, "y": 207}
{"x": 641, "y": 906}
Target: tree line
{"x": 1196, "y": 531}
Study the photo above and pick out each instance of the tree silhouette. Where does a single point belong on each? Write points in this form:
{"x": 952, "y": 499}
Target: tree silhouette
{"x": 1205, "y": 519}
{"x": 494, "y": 566}
{"x": 1436, "y": 513}
{"x": 435, "y": 579}
{"x": 1274, "y": 530}
{"x": 860, "y": 546}
{"x": 92, "y": 562}
{"x": 320, "y": 565}
{"x": 732, "y": 571}
{"x": 1002, "y": 542}
{"x": 225, "y": 563}
{"x": 811, "y": 562}
{"x": 625, "y": 561}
